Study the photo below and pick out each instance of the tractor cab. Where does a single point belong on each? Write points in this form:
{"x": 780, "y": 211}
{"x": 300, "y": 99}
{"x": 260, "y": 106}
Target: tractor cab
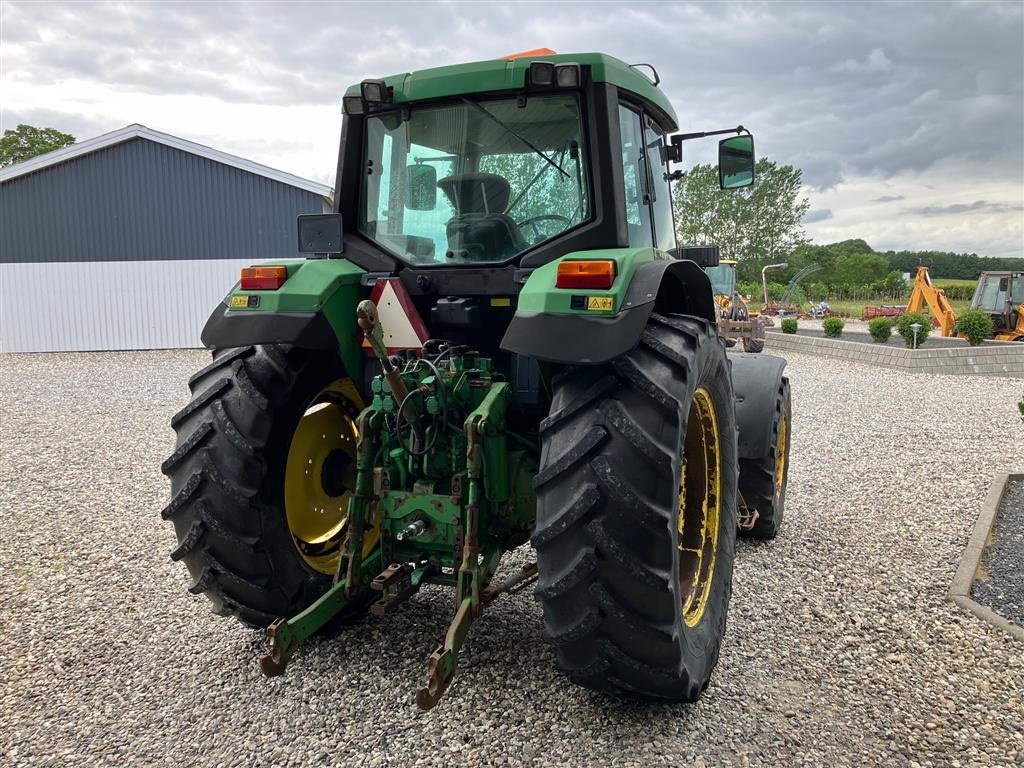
{"x": 1000, "y": 295}
{"x": 723, "y": 278}
{"x": 514, "y": 160}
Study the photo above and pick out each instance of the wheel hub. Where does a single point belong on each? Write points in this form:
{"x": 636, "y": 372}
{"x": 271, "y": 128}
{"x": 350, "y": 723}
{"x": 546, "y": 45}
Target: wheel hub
{"x": 319, "y": 477}
{"x": 780, "y": 458}
{"x": 700, "y": 498}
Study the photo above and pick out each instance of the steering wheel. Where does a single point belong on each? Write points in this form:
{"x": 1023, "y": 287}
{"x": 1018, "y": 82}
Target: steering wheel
{"x": 533, "y": 221}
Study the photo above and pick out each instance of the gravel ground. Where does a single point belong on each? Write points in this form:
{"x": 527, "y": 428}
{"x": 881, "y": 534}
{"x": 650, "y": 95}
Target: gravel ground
{"x": 1001, "y": 582}
{"x": 841, "y": 647}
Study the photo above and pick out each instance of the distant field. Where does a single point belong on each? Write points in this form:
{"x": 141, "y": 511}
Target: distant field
{"x": 941, "y": 281}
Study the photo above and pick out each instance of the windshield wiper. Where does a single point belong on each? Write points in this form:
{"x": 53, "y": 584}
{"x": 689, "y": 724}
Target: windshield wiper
{"x": 525, "y": 141}
{"x": 534, "y": 180}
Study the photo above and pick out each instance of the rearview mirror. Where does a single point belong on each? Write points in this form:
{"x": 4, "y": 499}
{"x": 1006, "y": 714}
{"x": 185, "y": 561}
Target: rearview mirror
{"x": 320, "y": 233}
{"x": 736, "y": 162}
{"x": 420, "y": 187}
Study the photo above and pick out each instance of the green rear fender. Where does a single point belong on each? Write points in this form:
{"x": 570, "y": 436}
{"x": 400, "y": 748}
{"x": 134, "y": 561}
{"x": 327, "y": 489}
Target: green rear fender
{"x": 315, "y": 308}
{"x": 564, "y": 325}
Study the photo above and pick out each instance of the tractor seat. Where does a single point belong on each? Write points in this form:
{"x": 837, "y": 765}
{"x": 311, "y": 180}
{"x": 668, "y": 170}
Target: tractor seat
{"x": 480, "y": 229}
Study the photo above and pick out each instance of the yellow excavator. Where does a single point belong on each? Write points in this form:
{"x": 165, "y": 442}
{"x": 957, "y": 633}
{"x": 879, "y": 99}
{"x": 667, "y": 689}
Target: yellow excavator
{"x": 999, "y": 294}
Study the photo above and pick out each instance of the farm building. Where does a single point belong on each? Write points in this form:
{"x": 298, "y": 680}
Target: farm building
{"x": 129, "y": 240}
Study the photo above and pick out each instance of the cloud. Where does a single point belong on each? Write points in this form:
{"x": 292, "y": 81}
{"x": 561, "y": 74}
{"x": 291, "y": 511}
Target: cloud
{"x": 978, "y": 206}
{"x": 888, "y": 199}
{"x": 876, "y": 61}
{"x": 812, "y": 217}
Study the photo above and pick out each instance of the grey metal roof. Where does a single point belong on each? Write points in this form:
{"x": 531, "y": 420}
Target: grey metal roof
{"x": 141, "y": 200}
{"x": 136, "y": 131}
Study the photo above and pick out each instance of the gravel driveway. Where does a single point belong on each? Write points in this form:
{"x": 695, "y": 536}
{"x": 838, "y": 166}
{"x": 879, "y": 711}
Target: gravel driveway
{"x": 841, "y": 647}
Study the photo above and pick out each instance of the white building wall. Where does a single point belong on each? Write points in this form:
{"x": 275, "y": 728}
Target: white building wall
{"x": 105, "y": 305}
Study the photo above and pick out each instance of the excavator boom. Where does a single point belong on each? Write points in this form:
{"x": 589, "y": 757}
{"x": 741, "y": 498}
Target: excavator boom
{"x": 925, "y": 293}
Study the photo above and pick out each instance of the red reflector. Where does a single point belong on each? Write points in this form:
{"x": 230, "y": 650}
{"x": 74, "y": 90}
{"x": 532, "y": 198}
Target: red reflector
{"x": 585, "y": 274}
{"x": 263, "y": 278}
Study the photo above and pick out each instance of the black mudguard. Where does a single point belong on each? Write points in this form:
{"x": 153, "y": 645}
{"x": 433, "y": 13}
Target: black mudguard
{"x": 303, "y": 329}
{"x": 755, "y": 380}
{"x": 674, "y": 286}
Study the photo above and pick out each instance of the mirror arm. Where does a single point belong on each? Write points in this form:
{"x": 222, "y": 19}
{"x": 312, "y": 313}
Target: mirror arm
{"x": 675, "y": 154}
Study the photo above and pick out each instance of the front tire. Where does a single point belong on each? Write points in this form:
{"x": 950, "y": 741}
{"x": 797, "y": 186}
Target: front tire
{"x": 636, "y": 514}
{"x": 228, "y": 481}
{"x": 753, "y": 345}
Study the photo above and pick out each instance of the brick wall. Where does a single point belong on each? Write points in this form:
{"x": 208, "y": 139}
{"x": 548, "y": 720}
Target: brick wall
{"x": 991, "y": 359}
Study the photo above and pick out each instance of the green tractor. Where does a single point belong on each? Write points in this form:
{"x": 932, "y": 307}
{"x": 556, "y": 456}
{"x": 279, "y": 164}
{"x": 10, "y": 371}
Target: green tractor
{"x": 503, "y": 344}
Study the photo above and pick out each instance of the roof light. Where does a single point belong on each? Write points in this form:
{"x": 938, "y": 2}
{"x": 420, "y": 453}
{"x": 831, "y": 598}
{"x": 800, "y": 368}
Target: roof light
{"x": 530, "y": 54}
{"x": 263, "y": 278}
{"x": 353, "y": 105}
{"x": 375, "y": 91}
{"x": 567, "y": 75}
{"x": 585, "y": 274}
{"x": 542, "y": 73}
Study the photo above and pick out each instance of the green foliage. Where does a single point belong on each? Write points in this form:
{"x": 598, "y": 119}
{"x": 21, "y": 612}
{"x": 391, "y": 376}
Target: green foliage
{"x": 942, "y": 264}
{"x": 27, "y": 141}
{"x": 775, "y": 291}
{"x": 833, "y": 327}
{"x": 957, "y": 291}
{"x": 756, "y": 225}
{"x": 789, "y": 325}
{"x": 975, "y": 325}
{"x": 859, "y": 269}
{"x": 880, "y": 329}
{"x": 903, "y": 327}
{"x": 892, "y": 286}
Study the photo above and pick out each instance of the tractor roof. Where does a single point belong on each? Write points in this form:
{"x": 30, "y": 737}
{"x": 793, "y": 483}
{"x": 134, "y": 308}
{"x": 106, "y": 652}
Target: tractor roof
{"x": 509, "y": 73}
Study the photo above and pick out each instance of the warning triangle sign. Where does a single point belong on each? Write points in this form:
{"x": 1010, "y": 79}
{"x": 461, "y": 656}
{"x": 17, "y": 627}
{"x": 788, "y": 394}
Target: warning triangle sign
{"x": 403, "y": 327}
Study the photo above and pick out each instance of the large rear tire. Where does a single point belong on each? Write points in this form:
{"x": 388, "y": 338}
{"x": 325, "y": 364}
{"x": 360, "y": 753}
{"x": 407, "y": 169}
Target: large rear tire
{"x": 636, "y": 514}
{"x": 763, "y": 481}
{"x": 241, "y": 548}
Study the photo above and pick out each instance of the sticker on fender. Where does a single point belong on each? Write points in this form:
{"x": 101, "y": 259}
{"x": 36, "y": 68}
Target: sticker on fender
{"x": 244, "y": 301}
{"x": 603, "y": 303}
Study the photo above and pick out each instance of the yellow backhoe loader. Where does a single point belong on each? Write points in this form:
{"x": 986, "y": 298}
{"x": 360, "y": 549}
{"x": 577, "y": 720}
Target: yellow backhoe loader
{"x": 999, "y": 294}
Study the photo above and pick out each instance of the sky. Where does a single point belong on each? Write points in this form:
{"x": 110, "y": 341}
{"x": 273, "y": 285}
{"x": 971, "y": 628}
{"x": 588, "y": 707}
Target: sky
{"x": 907, "y": 119}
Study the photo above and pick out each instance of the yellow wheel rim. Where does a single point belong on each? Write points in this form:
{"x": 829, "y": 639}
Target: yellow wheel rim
{"x": 700, "y": 498}
{"x": 320, "y": 475}
{"x": 780, "y": 457}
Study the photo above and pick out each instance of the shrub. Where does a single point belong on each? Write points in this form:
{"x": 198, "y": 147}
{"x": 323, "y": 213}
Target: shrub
{"x": 906, "y": 320}
{"x": 789, "y": 325}
{"x": 833, "y": 327}
{"x": 975, "y": 326}
{"x": 880, "y": 329}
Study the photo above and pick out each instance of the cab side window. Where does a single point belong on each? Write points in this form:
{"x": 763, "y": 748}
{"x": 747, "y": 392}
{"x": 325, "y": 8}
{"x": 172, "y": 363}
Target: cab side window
{"x": 660, "y": 187}
{"x": 634, "y": 173}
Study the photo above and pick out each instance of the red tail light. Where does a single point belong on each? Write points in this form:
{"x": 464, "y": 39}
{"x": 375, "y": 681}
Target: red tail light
{"x": 263, "y": 278}
{"x": 585, "y": 274}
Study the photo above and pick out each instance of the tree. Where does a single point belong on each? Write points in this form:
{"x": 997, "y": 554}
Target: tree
{"x": 859, "y": 270}
{"x": 27, "y": 141}
{"x": 756, "y": 225}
